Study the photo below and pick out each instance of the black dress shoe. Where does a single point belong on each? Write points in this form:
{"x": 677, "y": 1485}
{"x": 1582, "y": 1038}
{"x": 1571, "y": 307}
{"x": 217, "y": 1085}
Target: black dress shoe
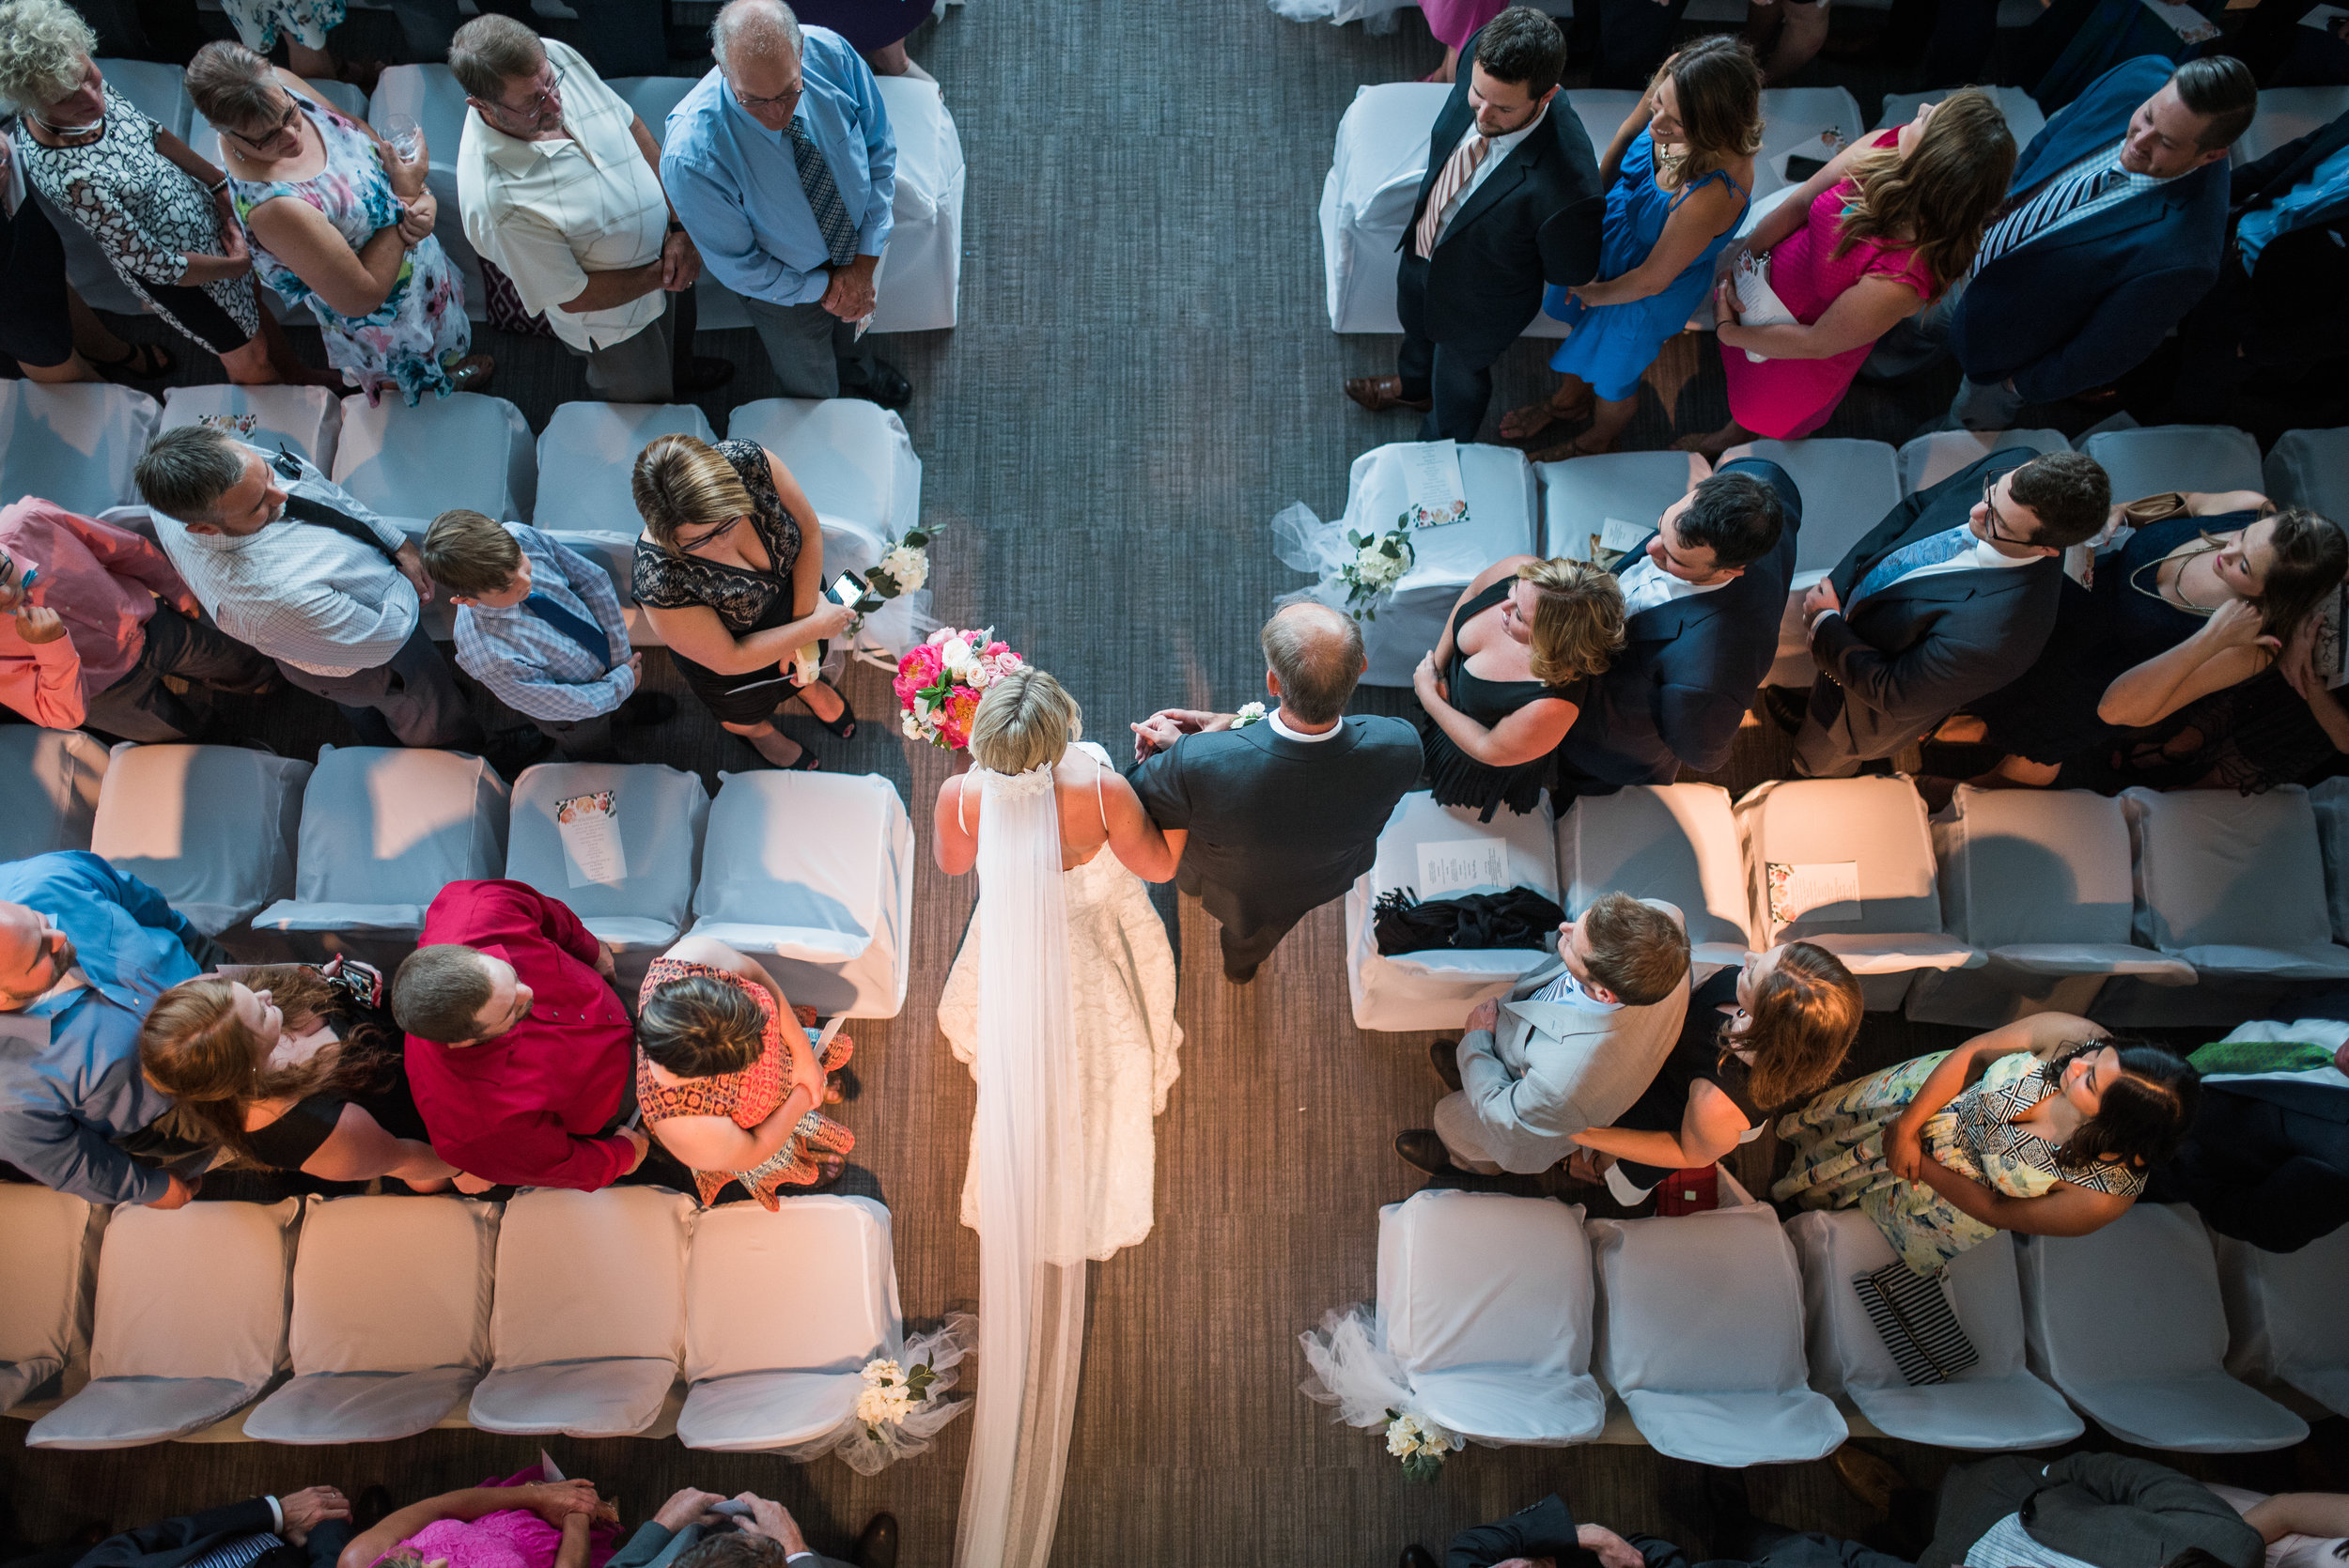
{"x": 1239, "y": 977}
{"x": 702, "y": 373}
{"x": 1786, "y": 707}
{"x": 1444, "y": 1055}
{"x": 1421, "y": 1148}
{"x": 881, "y": 383}
{"x": 878, "y": 1547}
{"x": 373, "y": 1507}
{"x": 646, "y": 707}
{"x": 1417, "y": 1556}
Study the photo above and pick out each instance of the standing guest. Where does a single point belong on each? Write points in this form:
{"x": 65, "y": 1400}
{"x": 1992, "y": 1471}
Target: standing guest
{"x": 1511, "y": 200}
{"x": 2266, "y": 1160}
{"x": 1505, "y": 682}
{"x": 1285, "y": 812}
{"x": 99, "y": 622}
{"x": 340, "y": 222}
{"x": 44, "y": 326}
{"x": 310, "y": 1528}
{"x": 1787, "y": 33}
{"x": 85, "y": 950}
{"x": 1703, "y": 600}
{"x": 538, "y": 625}
{"x": 303, "y": 25}
{"x": 560, "y": 184}
{"x": 618, "y": 38}
{"x": 782, "y": 164}
{"x": 1887, "y": 227}
{"x": 161, "y": 214}
{"x": 1678, "y": 175}
{"x": 284, "y": 559}
{"x": 1453, "y": 22}
{"x": 878, "y": 29}
{"x": 1949, "y": 597}
{"x": 730, "y": 572}
{"x": 519, "y": 1049}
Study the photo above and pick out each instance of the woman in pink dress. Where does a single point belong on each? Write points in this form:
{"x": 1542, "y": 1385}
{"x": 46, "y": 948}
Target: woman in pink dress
{"x": 1874, "y": 237}
{"x": 521, "y": 1522}
{"x": 1454, "y": 23}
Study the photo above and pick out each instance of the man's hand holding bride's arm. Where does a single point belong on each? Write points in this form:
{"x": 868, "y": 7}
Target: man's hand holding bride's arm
{"x": 1170, "y": 724}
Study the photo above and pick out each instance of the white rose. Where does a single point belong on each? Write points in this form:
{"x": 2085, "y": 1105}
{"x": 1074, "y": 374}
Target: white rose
{"x": 907, "y": 566}
{"x": 882, "y": 1369}
{"x": 1371, "y": 561}
{"x": 873, "y": 1408}
{"x": 911, "y": 725}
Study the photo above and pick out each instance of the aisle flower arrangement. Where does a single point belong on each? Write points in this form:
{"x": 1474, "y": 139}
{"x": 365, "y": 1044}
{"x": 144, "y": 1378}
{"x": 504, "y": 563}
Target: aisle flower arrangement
{"x": 1379, "y": 562}
{"x": 1421, "y": 1444}
{"x": 940, "y": 682}
{"x": 901, "y": 1405}
{"x": 905, "y": 565}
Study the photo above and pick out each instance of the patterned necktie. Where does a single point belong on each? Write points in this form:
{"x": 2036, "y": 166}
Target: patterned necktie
{"x": 2042, "y": 213}
{"x": 1931, "y": 551}
{"x": 238, "y": 1551}
{"x": 1457, "y": 171}
{"x": 823, "y": 196}
{"x": 588, "y": 635}
{"x": 2261, "y": 1056}
{"x": 300, "y": 509}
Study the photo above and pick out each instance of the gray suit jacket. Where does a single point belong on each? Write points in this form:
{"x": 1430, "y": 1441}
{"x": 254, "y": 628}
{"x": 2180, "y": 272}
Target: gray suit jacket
{"x": 2101, "y": 1508}
{"x": 1555, "y": 1069}
{"x": 655, "y": 1546}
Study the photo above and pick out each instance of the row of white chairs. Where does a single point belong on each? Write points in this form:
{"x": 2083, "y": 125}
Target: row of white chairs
{"x": 365, "y": 1319}
{"x": 2006, "y": 901}
{"x": 813, "y": 872}
{"x": 1728, "y": 1339}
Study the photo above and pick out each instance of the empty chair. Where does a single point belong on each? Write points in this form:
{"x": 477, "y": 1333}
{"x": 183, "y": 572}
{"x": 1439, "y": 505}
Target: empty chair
{"x": 854, "y": 460}
{"x": 429, "y": 95}
{"x": 2160, "y": 1384}
{"x": 2285, "y": 115}
{"x": 1994, "y": 1403}
{"x": 413, "y": 463}
{"x": 2022, "y": 113}
{"x": 917, "y": 287}
{"x": 587, "y": 455}
{"x": 384, "y": 830}
{"x": 1611, "y": 499}
{"x": 190, "y": 1324}
{"x": 2233, "y": 884}
{"x": 1436, "y": 989}
{"x": 781, "y": 1312}
{"x": 589, "y": 1317}
{"x": 1673, "y": 841}
{"x": 1847, "y": 487}
{"x": 391, "y": 1319}
{"x": 1802, "y": 122}
{"x": 308, "y": 419}
{"x": 49, "y": 783}
{"x": 1503, "y": 514}
{"x": 661, "y": 813}
{"x": 652, "y": 98}
{"x": 211, "y": 828}
{"x": 2311, "y": 468}
{"x": 49, "y": 1254}
{"x": 74, "y": 444}
{"x": 2329, "y": 800}
{"x": 2157, "y": 458}
{"x": 1700, "y": 1335}
{"x": 2285, "y": 1322}
{"x": 815, "y": 870}
{"x": 1927, "y": 460}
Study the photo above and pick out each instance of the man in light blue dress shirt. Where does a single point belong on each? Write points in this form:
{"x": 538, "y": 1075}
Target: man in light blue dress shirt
{"x": 783, "y": 169}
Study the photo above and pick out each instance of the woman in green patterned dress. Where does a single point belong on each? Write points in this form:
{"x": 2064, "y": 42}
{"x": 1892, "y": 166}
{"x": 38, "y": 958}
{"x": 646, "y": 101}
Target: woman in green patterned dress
{"x": 2046, "y": 1127}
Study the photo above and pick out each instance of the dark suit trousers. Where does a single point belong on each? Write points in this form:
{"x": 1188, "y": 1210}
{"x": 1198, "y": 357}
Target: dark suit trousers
{"x": 412, "y": 701}
{"x": 1630, "y": 39}
{"x": 1460, "y": 379}
{"x": 1824, "y": 747}
{"x": 1242, "y": 950}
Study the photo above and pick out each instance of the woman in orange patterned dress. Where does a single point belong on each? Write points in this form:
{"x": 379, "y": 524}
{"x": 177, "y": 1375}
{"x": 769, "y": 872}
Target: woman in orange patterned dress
{"x": 723, "y": 1085}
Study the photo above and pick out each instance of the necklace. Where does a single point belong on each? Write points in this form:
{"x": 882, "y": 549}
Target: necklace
{"x": 2176, "y": 598}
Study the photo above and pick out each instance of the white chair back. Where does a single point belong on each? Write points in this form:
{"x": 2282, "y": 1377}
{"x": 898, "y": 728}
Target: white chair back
{"x": 463, "y": 450}
{"x": 586, "y": 457}
{"x": 75, "y": 445}
{"x": 918, "y": 284}
{"x": 1503, "y": 513}
{"x": 383, "y": 830}
{"x": 2158, "y": 457}
{"x": 50, "y": 784}
{"x": 1847, "y": 487}
{"x": 49, "y": 1254}
{"x": 1610, "y": 500}
{"x": 2284, "y": 1317}
{"x": 211, "y": 828}
{"x": 308, "y": 419}
{"x": 2233, "y": 884}
{"x": 1674, "y": 842}
{"x": 1930, "y": 459}
{"x": 662, "y": 813}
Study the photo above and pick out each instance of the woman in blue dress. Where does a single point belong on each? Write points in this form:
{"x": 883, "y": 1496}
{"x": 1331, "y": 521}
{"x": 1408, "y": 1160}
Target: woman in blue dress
{"x": 1678, "y": 175}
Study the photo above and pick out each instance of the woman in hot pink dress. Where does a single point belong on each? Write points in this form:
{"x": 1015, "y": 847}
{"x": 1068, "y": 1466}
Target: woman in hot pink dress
{"x": 1454, "y": 23}
{"x": 521, "y": 1522}
{"x": 1880, "y": 233}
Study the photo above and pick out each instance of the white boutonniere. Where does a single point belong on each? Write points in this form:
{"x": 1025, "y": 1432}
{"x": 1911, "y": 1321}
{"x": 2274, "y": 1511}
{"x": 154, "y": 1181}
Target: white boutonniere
{"x": 1249, "y": 713}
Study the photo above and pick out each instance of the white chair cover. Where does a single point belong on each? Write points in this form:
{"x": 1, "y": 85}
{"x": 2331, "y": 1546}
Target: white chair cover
{"x": 852, "y": 458}
{"x": 2311, "y": 468}
{"x": 429, "y": 95}
{"x": 820, "y": 1269}
{"x": 1795, "y": 120}
{"x": 49, "y": 1255}
{"x": 1582, "y": 495}
{"x": 2157, "y": 458}
{"x": 918, "y": 282}
{"x": 2233, "y": 884}
{"x": 1486, "y": 1303}
{"x": 50, "y": 784}
{"x": 2284, "y": 1317}
{"x": 1435, "y": 989}
{"x": 2286, "y": 114}
{"x": 2160, "y": 1384}
{"x": 662, "y": 814}
{"x": 157, "y": 90}
{"x": 816, "y": 871}
{"x": 1927, "y": 460}
{"x": 461, "y": 450}
{"x": 589, "y": 1318}
{"x": 2022, "y": 113}
{"x": 1504, "y": 515}
{"x": 587, "y": 456}
{"x": 1673, "y": 841}
{"x": 391, "y": 1319}
{"x": 211, "y": 828}
{"x": 74, "y": 444}
{"x": 309, "y": 419}
{"x": 1847, "y": 486}
{"x": 1700, "y": 1334}
{"x": 2329, "y": 800}
{"x": 1994, "y": 1403}
{"x": 191, "y": 1322}
{"x": 384, "y": 830}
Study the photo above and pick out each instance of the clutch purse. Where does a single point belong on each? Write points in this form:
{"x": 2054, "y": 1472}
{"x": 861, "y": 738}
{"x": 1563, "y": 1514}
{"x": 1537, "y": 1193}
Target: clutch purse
{"x": 1917, "y": 1322}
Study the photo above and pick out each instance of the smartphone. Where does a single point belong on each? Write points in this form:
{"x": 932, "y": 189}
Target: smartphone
{"x": 26, "y": 579}
{"x": 1799, "y": 168}
{"x": 845, "y": 589}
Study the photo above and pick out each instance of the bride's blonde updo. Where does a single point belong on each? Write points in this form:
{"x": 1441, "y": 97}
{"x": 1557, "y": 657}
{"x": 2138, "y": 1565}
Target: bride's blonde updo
{"x": 1025, "y": 720}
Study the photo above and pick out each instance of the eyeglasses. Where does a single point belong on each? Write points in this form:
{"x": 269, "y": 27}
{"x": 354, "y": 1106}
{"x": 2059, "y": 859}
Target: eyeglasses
{"x": 534, "y": 107}
{"x": 286, "y": 122}
{"x": 780, "y": 100}
{"x": 1989, "y": 485}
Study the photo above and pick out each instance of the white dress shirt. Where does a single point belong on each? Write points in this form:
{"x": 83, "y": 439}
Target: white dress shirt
{"x": 1645, "y": 585}
{"x": 1567, "y": 992}
{"x": 1281, "y": 729}
{"x": 1502, "y": 147}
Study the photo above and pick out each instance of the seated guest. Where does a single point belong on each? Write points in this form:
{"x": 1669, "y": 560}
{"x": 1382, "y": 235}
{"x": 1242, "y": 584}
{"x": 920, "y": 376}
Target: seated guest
{"x": 1512, "y": 671}
{"x": 310, "y": 1527}
{"x": 1717, "y": 1509}
{"x": 1758, "y": 1036}
{"x": 340, "y": 222}
{"x": 98, "y": 621}
{"x": 1540, "y": 1532}
{"x": 1678, "y": 175}
{"x": 1950, "y": 596}
{"x": 1703, "y": 600}
{"x": 2266, "y": 1160}
{"x": 285, "y": 560}
{"x": 736, "y": 604}
{"x": 727, "y": 1084}
{"x": 2103, "y": 1510}
{"x": 769, "y": 1537}
{"x": 518, "y": 1046}
{"x": 2046, "y": 1127}
{"x": 85, "y": 950}
{"x": 1573, "y": 1048}
{"x": 521, "y": 1522}
{"x": 292, "y": 1067}
{"x": 538, "y": 625}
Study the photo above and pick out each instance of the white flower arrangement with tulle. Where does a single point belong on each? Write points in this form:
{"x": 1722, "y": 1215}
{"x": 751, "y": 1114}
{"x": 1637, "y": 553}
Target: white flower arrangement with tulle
{"x": 1354, "y": 1369}
{"x": 1379, "y": 562}
{"x": 899, "y": 1407}
{"x": 1421, "y": 1444}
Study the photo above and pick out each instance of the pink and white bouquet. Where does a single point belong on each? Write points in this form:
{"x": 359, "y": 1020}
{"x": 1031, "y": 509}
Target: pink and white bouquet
{"x": 940, "y": 682}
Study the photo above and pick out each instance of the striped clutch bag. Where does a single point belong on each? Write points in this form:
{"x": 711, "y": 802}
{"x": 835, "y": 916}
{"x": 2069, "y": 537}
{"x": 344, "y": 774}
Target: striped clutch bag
{"x": 1917, "y": 1322}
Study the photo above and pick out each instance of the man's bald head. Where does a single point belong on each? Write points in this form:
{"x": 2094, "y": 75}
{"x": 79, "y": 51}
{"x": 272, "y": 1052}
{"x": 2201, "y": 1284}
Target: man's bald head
{"x": 33, "y": 954}
{"x": 1316, "y": 654}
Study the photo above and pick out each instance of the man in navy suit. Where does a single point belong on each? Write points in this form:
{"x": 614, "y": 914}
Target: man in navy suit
{"x": 1511, "y": 201}
{"x": 1702, "y": 599}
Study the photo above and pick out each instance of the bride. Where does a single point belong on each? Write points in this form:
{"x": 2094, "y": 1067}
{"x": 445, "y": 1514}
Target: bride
{"x": 1123, "y": 1036}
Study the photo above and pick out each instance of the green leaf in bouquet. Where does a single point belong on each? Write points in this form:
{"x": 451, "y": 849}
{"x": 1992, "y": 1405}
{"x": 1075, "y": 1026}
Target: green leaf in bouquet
{"x": 1423, "y": 1468}
{"x": 916, "y": 538}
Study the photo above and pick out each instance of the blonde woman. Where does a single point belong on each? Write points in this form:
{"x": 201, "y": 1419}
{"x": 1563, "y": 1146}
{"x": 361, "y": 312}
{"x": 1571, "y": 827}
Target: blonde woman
{"x": 1507, "y": 681}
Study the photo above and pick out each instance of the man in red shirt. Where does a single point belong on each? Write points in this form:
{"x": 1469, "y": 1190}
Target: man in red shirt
{"x": 519, "y": 1050}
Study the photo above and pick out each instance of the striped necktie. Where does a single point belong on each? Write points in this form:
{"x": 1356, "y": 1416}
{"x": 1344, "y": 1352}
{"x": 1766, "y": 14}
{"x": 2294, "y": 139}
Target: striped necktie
{"x": 823, "y": 195}
{"x": 1457, "y": 171}
{"x": 1931, "y": 551}
{"x": 238, "y": 1551}
{"x": 2054, "y": 202}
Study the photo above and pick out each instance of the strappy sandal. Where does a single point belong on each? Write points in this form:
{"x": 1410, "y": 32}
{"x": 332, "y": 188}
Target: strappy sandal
{"x": 131, "y": 365}
{"x": 844, "y": 726}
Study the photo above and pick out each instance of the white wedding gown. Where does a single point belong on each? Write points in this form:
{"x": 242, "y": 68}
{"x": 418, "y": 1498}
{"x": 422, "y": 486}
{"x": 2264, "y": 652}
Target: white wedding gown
{"x": 1121, "y": 984}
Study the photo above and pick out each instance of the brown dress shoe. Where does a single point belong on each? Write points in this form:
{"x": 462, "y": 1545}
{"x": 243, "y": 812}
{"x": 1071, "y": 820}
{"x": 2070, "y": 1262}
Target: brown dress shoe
{"x": 1421, "y": 1148}
{"x": 1416, "y": 1556}
{"x": 1381, "y": 392}
{"x": 1870, "y": 1479}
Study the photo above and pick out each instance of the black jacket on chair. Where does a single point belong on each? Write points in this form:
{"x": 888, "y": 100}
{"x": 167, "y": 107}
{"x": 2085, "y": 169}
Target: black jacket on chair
{"x": 2298, "y": 309}
{"x": 190, "y": 1537}
{"x": 1537, "y": 219}
{"x": 2267, "y": 1161}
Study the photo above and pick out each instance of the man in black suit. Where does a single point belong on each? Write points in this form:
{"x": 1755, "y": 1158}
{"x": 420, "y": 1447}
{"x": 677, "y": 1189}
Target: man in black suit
{"x": 2266, "y": 1160}
{"x": 1511, "y": 201}
{"x": 1948, "y": 597}
{"x": 1270, "y": 819}
{"x": 1543, "y": 1531}
{"x": 303, "y": 1530}
{"x": 1702, "y": 599}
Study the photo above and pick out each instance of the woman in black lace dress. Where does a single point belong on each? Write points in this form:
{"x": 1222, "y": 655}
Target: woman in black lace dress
{"x": 730, "y": 571}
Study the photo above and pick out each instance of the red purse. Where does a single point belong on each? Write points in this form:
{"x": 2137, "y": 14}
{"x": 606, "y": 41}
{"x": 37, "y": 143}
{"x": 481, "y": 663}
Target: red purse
{"x": 1689, "y": 1191}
